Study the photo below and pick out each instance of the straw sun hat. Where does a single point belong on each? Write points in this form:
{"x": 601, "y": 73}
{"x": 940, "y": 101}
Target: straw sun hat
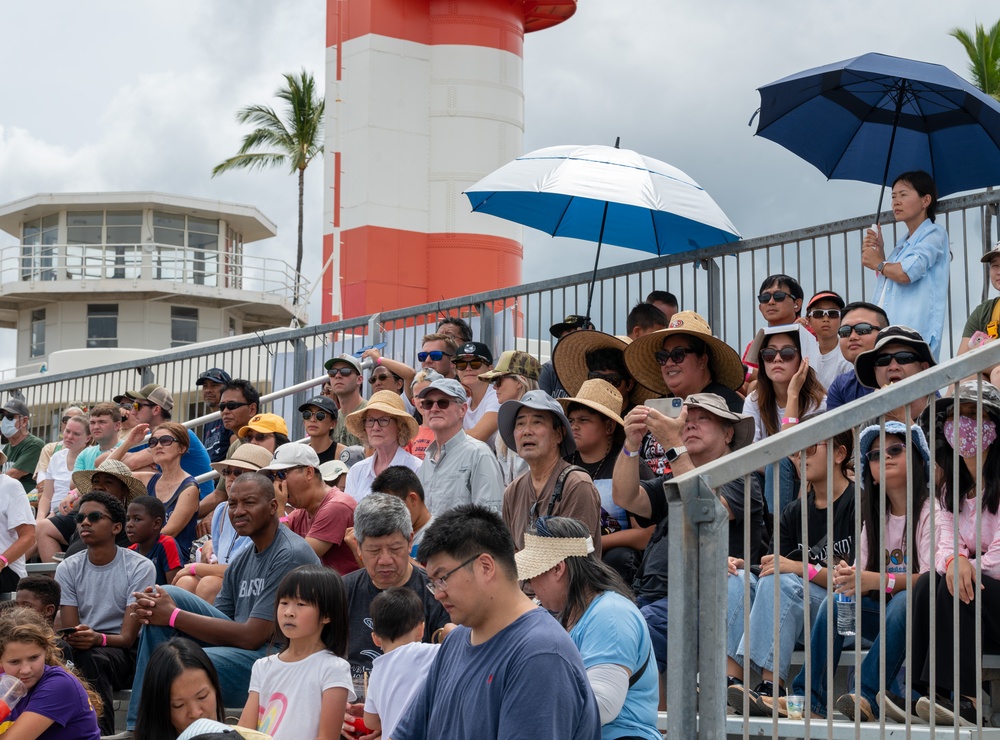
{"x": 569, "y": 359}
{"x": 600, "y": 396}
{"x": 83, "y": 480}
{"x": 640, "y": 355}
{"x": 541, "y": 554}
{"x": 388, "y": 402}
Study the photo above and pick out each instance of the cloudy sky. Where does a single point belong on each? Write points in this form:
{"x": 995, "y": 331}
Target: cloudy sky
{"x": 115, "y": 95}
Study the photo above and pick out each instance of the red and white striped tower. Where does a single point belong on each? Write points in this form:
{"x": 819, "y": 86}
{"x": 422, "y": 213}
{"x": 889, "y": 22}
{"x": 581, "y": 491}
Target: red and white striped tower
{"x": 424, "y": 98}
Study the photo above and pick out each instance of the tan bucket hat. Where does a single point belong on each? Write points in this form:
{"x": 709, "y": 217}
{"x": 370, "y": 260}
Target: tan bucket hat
{"x": 640, "y": 355}
{"x": 388, "y": 402}
{"x": 83, "y": 480}
{"x": 600, "y": 396}
{"x": 569, "y": 359}
{"x": 247, "y": 457}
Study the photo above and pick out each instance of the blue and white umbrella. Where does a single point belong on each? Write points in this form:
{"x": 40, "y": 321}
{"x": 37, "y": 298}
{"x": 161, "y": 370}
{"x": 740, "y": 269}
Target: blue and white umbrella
{"x": 606, "y": 195}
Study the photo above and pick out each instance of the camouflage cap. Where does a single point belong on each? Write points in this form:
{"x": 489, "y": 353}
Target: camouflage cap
{"x": 514, "y": 362}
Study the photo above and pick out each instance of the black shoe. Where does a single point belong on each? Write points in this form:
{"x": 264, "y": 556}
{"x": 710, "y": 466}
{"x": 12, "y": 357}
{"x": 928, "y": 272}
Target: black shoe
{"x": 735, "y": 691}
{"x": 762, "y": 699}
{"x": 893, "y": 707}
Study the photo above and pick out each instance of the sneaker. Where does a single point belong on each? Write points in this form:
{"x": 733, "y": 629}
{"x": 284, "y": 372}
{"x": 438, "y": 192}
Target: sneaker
{"x": 762, "y": 699}
{"x": 846, "y": 705}
{"x": 894, "y": 708}
{"x": 735, "y": 691}
{"x": 944, "y": 711}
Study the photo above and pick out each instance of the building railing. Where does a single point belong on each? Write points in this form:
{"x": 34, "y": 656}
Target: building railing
{"x": 211, "y": 268}
{"x": 699, "y": 581}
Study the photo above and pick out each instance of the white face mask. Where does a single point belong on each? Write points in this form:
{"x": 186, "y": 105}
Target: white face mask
{"x": 8, "y": 427}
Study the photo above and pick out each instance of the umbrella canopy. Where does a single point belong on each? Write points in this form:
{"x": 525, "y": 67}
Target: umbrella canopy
{"x": 875, "y": 116}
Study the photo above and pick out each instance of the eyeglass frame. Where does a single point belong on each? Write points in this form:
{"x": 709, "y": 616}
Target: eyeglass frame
{"x": 824, "y": 313}
{"x": 788, "y": 348}
{"x": 886, "y": 358}
{"x": 845, "y": 329}
{"x": 441, "y": 582}
{"x": 662, "y": 355}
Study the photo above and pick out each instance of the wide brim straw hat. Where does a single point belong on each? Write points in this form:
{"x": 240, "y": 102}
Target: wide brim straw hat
{"x": 600, "y": 396}
{"x": 541, "y": 554}
{"x": 724, "y": 361}
{"x": 569, "y": 359}
{"x": 388, "y": 402}
{"x": 83, "y": 480}
{"x": 246, "y": 457}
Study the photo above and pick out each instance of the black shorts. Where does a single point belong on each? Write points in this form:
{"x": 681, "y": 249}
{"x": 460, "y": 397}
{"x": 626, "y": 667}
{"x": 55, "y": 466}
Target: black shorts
{"x": 66, "y": 524}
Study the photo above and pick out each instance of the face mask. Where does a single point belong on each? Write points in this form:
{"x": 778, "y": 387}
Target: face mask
{"x": 8, "y": 428}
{"x": 968, "y": 436}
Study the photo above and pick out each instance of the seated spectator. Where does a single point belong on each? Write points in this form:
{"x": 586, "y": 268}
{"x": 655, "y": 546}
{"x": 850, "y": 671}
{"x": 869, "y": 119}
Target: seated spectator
{"x": 395, "y": 377}
{"x": 45, "y": 456}
{"x": 22, "y": 448}
{"x": 480, "y": 420}
{"x": 599, "y": 432}
{"x": 644, "y": 318}
{"x": 55, "y": 483}
{"x": 240, "y": 402}
{"x": 143, "y": 524}
{"x": 404, "y": 484}
{"x": 899, "y": 353}
{"x": 322, "y": 515}
{"x": 384, "y": 533}
{"x": 319, "y": 419}
{"x": 105, "y": 423}
{"x": 860, "y": 324}
{"x": 42, "y": 594}
{"x": 346, "y": 379}
{"x": 590, "y": 355}
{"x": 823, "y": 314}
{"x": 425, "y": 435}
{"x": 456, "y": 469}
{"x": 264, "y": 430}
{"x": 540, "y": 432}
{"x": 334, "y": 473}
{"x": 456, "y": 328}
{"x": 984, "y": 321}
{"x": 97, "y": 589}
{"x": 548, "y": 381}
{"x": 665, "y": 301}
{"x": 17, "y": 532}
{"x": 515, "y": 374}
{"x": 238, "y": 628}
{"x": 437, "y": 353}
{"x": 385, "y": 427}
{"x": 214, "y": 434}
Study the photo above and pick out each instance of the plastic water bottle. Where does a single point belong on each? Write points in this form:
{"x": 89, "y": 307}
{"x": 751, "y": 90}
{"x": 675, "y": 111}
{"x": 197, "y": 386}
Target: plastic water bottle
{"x": 846, "y": 610}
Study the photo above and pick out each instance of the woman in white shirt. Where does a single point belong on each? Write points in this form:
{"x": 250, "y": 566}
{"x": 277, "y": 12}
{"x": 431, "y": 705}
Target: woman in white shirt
{"x": 384, "y": 426}
{"x": 57, "y": 480}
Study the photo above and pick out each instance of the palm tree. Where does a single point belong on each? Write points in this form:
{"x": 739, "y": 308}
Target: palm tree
{"x": 293, "y": 139}
{"x": 983, "y": 48}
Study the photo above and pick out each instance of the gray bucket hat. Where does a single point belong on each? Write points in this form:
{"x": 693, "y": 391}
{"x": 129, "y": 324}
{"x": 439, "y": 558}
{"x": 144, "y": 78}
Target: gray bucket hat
{"x": 864, "y": 364}
{"x": 968, "y": 392}
{"x": 540, "y": 401}
{"x": 716, "y": 405}
{"x": 870, "y": 434}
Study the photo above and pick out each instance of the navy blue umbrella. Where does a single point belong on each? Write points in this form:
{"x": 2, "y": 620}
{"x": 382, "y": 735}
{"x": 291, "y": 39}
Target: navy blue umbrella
{"x": 875, "y": 116}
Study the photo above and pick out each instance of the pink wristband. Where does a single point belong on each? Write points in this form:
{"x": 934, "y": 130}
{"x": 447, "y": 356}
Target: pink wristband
{"x": 283, "y": 519}
{"x": 6, "y": 562}
{"x": 191, "y": 569}
{"x": 789, "y": 420}
{"x": 890, "y": 582}
{"x": 104, "y": 640}
{"x": 813, "y": 570}
{"x": 173, "y": 617}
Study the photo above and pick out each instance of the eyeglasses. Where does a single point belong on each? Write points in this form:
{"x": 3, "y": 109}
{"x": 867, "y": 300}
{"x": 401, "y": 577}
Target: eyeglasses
{"x": 901, "y": 358}
{"x": 778, "y": 296}
{"x": 382, "y": 421}
{"x": 232, "y": 472}
{"x": 259, "y": 436}
{"x": 126, "y": 405}
{"x": 166, "y": 440}
{"x": 787, "y": 354}
{"x": 345, "y": 371}
{"x": 860, "y": 329}
{"x": 380, "y": 378}
{"x": 824, "y": 313}
{"x": 138, "y": 405}
{"x": 465, "y": 364}
{"x": 280, "y": 474}
{"x": 434, "y": 355}
{"x": 442, "y": 403}
{"x": 891, "y": 451}
{"x": 232, "y": 405}
{"x": 613, "y": 378}
{"x": 441, "y": 583}
{"x": 318, "y": 415}
{"x": 677, "y": 355}
{"x": 67, "y": 418}
{"x": 93, "y": 517}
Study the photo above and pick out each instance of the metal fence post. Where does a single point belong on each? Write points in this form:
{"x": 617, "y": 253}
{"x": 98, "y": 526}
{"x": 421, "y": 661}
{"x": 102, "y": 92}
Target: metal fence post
{"x": 486, "y": 326}
{"x": 714, "y": 292}
{"x": 698, "y": 534}
{"x": 299, "y": 375}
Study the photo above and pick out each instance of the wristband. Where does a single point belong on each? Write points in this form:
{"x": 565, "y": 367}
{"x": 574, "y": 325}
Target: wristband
{"x": 890, "y": 582}
{"x": 789, "y": 420}
{"x": 378, "y": 360}
{"x": 104, "y": 640}
{"x": 191, "y": 569}
{"x": 629, "y": 454}
{"x": 173, "y": 617}
{"x": 813, "y": 571}
{"x": 6, "y": 562}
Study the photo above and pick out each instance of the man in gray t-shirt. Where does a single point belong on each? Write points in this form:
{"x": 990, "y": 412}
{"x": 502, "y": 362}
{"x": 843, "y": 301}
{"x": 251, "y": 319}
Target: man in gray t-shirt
{"x": 237, "y": 628}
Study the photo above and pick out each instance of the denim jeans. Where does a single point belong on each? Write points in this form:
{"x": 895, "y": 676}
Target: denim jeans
{"x": 789, "y": 614}
{"x": 786, "y": 484}
{"x": 233, "y": 664}
{"x": 895, "y": 651}
{"x": 734, "y": 609}
{"x": 654, "y": 611}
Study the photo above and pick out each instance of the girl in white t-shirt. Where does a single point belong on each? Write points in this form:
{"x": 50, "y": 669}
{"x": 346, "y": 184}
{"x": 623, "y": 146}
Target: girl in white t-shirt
{"x": 286, "y": 689}
{"x": 55, "y": 483}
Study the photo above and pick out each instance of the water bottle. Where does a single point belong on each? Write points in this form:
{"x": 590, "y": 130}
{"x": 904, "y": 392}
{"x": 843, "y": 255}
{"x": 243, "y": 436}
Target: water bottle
{"x": 846, "y": 610}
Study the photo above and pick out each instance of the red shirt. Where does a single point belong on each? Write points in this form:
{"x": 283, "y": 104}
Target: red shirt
{"x": 334, "y": 515}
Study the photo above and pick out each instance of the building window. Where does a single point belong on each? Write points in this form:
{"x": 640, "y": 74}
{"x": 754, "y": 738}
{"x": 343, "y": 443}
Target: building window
{"x": 38, "y": 332}
{"x": 37, "y": 252}
{"x": 196, "y": 259}
{"x": 102, "y": 325}
{"x": 183, "y": 326}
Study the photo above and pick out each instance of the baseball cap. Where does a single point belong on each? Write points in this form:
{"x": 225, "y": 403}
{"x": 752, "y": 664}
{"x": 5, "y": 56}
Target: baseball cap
{"x": 331, "y": 470}
{"x": 475, "y": 349}
{"x": 995, "y": 252}
{"x": 826, "y": 295}
{"x": 14, "y": 406}
{"x": 293, "y": 455}
{"x": 573, "y": 321}
{"x": 265, "y": 423}
{"x": 155, "y": 394}
{"x": 448, "y": 386}
{"x": 321, "y": 402}
{"x": 514, "y": 362}
{"x": 214, "y": 375}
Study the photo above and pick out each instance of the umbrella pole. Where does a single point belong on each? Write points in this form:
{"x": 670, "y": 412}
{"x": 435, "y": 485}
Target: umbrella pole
{"x": 892, "y": 141}
{"x": 597, "y": 259}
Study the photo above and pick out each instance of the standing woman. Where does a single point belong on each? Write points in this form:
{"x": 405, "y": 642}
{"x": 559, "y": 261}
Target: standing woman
{"x": 56, "y": 481}
{"x": 383, "y": 425}
{"x": 595, "y": 606}
{"x": 515, "y": 374}
{"x": 912, "y": 281}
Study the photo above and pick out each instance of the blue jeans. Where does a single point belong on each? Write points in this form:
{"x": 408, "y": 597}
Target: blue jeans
{"x": 654, "y": 611}
{"x": 895, "y": 651}
{"x": 233, "y": 664}
{"x": 788, "y": 488}
{"x": 789, "y": 613}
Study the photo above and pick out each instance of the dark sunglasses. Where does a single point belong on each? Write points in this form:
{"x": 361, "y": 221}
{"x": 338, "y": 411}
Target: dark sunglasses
{"x": 901, "y": 358}
{"x": 613, "y": 378}
{"x": 232, "y": 405}
{"x": 234, "y": 472}
{"x": 465, "y": 364}
{"x": 380, "y": 378}
{"x": 345, "y": 371}
{"x": 279, "y": 474}
{"x": 824, "y": 313}
{"x": 785, "y": 353}
{"x": 137, "y": 405}
{"x": 442, "y": 403}
{"x": 891, "y": 451}
{"x": 259, "y": 436}
{"x": 860, "y": 329}
{"x": 497, "y": 382}
{"x": 434, "y": 355}
{"x": 318, "y": 415}
{"x": 677, "y": 355}
{"x": 777, "y": 295}
{"x": 93, "y": 517}
{"x": 166, "y": 440}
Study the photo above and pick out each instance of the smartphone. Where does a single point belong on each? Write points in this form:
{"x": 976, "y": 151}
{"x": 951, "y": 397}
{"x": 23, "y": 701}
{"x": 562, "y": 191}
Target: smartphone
{"x": 667, "y": 406}
{"x": 66, "y": 631}
{"x": 978, "y": 339}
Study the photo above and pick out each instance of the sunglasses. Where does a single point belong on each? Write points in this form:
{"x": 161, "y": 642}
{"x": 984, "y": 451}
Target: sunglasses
{"x": 93, "y": 517}
{"x": 497, "y": 382}
{"x": 379, "y": 378}
{"x": 891, "y": 451}
{"x": 137, "y": 405}
{"x": 777, "y": 295}
{"x": 232, "y": 472}
{"x": 901, "y": 358}
{"x": 676, "y": 355}
{"x": 787, "y": 354}
{"x": 259, "y": 436}
{"x": 434, "y": 355}
{"x": 279, "y": 474}
{"x": 382, "y": 421}
{"x": 166, "y": 440}
{"x": 466, "y": 364}
{"x": 345, "y": 371}
{"x": 824, "y": 313}
{"x": 67, "y": 418}
{"x": 318, "y": 415}
{"x": 860, "y": 329}
{"x": 442, "y": 403}
{"x": 613, "y": 378}
{"x": 232, "y": 405}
